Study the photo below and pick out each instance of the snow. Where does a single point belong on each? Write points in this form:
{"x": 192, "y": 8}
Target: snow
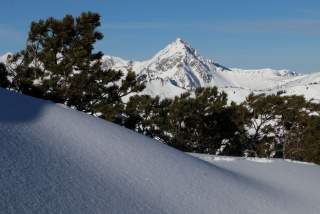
{"x": 214, "y": 158}
{"x": 178, "y": 63}
{"x": 179, "y": 68}
{"x": 57, "y": 160}
{"x": 257, "y": 79}
{"x": 168, "y": 90}
{"x": 4, "y": 57}
{"x": 116, "y": 63}
{"x": 295, "y": 179}
{"x": 183, "y": 68}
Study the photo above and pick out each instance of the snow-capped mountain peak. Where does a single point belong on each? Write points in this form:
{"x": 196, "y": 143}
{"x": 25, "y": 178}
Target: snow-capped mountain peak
{"x": 178, "y": 64}
{"x": 181, "y": 65}
{"x": 116, "y": 63}
{"x": 4, "y": 57}
{"x": 179, "y": 68}
{"x": 178, "y": 47}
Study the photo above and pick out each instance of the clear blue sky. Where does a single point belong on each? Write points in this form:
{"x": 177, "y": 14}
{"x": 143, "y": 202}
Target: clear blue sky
{"x": 236, "y": 33}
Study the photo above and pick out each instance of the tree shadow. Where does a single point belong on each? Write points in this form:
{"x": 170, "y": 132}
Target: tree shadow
{"x": 20, "y": 108}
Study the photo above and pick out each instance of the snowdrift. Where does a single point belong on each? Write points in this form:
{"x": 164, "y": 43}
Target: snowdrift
{"x": 57, "y": 160}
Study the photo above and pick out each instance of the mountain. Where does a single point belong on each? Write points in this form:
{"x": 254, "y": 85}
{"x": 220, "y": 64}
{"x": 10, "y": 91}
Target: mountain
{"x": 50, "y": 165}
{"x": 179, "y": 68}
{"x": 178, "y": 64}
{"x": 3, "y": 58}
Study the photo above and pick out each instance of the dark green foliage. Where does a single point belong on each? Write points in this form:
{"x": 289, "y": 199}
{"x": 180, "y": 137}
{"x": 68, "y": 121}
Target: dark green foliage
{"x": 140, "y": 114}
{"x": 310, "y": 149}
{"x": 262, "y": 114}
{"x": 4, "y": 82}
{"x": 59, "y": 64}
{"x": 111, "y": 107}
{"x": 148, "y": 116}
{"x": 280, "y": 125}
{"x": 194, "y": 121}
{"x": 200, "y": 122}
{"x": 238, "y": 116}
{"x": 263, "y": 126}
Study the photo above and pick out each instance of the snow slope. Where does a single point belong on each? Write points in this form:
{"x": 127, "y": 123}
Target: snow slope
{"x": 179, "y": 66}
{"x": 57, "y": 160}
{"x": 306, "y": 85}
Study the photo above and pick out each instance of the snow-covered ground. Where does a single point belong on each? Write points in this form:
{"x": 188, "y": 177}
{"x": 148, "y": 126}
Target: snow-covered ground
{"x": 57, "y": 160}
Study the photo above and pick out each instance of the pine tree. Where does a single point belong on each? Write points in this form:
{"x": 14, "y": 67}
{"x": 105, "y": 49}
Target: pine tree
{"x": 202, "y": 122}
{"x": 295, "y": 121}
{"x": 238, "y": 117}
{"x": 4, "y": 82}
{"x": 140, "y": 112}
{"x": 278, "y": 125}
{"x": 263, "y": 124}
{"x": 148, "y": 115}
{"x": 311, "y": 147}
{"x": 59, "y": 64}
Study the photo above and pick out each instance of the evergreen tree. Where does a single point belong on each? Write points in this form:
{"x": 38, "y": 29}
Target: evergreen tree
{"x": 262, "y": 125}
{"x": 59, "y": 64}
{"x": 148, "y": 116}
{"x": 140, "y": 112}
{"x": 277, "y": 125}
{"x": 203, "y": 122}
{"x": 296, "y": 121}
{"x": 4, "y": 82}
{"x": 238, "y": 117}
{"x": 310, "y": 149}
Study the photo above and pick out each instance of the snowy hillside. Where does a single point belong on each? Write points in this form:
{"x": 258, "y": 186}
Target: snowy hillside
{"x": 179, "y": 68}
{"x": 307, "y": 85}
{"x": 57, "y": 160}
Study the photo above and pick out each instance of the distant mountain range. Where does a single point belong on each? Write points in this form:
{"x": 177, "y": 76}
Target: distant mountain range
{"x": 179, "y": 68}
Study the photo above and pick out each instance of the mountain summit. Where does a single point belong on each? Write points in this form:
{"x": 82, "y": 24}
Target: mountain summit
{"x": 178, "y": 64}
{"x": 181, "y": 65}
{"x": 177, "y": 47}
{"x": 180, "y": 68}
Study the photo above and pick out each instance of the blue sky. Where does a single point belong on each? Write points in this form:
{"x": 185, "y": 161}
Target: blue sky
{"x": 236, "y": 33}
